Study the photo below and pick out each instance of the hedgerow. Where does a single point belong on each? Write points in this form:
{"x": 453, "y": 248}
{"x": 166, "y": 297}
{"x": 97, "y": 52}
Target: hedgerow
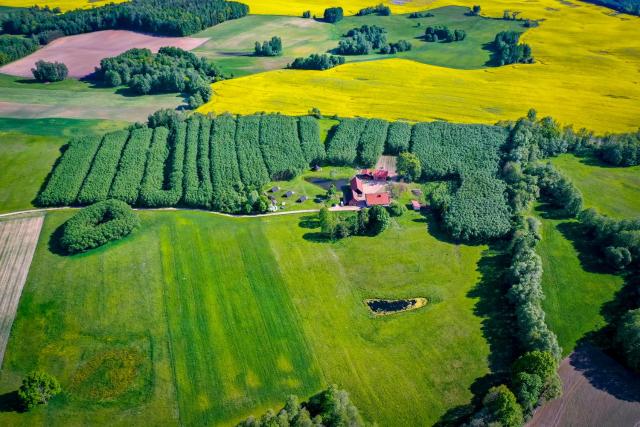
{"x": 126, "y": 184}
{"x": 469, "y": 154}
{"x": 253, "y": 171}
{"x": 98, "y": 224}
{"x": 312, "y": 146}
{"x": 191, "y": 180}
{"x": 398, "y": 138}
{"x": 371, "y": 143}
{"x": 205, "y": 189}
{"x": 280, "y": 146}
{"x": 105, "y": 164}
{"x": 67, "y": 177}
{"x": 225, "y": 173}
{"x": 342, "y": 148}
{"x": 162, "y": 183}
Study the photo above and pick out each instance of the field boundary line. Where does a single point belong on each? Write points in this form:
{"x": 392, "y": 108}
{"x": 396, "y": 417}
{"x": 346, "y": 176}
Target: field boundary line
{"x": 300, "y": 211}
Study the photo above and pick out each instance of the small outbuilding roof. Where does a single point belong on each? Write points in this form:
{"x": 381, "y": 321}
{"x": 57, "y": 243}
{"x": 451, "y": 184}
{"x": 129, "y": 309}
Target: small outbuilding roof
{"x": 382, "y": 199}
{"x": 274, "y": 189}
{"x": 289, "y": 193}
{"x": 302, "y": 199}
{"x": 415, "y": 205}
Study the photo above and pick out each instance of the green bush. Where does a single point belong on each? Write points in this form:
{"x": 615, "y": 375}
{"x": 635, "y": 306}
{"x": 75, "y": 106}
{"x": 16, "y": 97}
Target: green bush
{"x": 396, "y": 209}
{"x": 253, "y": 171}
{"x": 409, "y": 167}
{"x": 37, "y": 388}
{"x": 312, "y": 146}
{"x": 342, "y": 148}
{"x": 66, "y": 179}
{"x": 628, "y": 337}
{"x": 280, "y": 146}
{"x": 105, "y": 164}
{"x": 126, "y": 184}
{"x": 50, "y": 71}
{"x": 371, "y": 142}
{"x": 398, "y": 138}
{"x": 98, "y": 224}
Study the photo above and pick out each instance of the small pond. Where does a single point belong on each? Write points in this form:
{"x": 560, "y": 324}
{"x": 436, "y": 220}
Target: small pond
{"x": 389, "y": 306}
{"x": 325, "y": 183}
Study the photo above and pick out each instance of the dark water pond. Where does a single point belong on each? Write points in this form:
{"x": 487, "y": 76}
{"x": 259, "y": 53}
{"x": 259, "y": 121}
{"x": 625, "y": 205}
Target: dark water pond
{"x": 385, "y": 306}
{"x": 325, "y": 183}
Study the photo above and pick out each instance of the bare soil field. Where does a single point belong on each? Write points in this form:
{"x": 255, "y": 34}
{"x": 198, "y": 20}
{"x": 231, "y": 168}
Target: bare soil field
{"x": 18, "y": 240}
{"x": 597, "y": 392}
{"x": 83, "y": 52}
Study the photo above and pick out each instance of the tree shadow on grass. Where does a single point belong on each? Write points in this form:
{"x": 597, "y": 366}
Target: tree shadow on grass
{"x": 10, "y": 402}
{"x": 589, "y": 260}
{"x": 54, "y": 242}
{"x": 435, "y": 228}
{"x": 497, "y": 317}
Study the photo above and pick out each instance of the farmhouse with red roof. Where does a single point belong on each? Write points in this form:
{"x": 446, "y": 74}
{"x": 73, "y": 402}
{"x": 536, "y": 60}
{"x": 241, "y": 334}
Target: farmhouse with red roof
{"x": 369, "y": 189}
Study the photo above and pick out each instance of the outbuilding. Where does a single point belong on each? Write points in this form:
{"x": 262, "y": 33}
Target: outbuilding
{"x": 416, "y": 205}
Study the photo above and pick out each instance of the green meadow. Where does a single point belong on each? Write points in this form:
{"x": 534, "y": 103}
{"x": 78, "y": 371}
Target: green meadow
{"x": 28, "y": 150}
{"x": 204, "y": 320}
{"x": 231, "y": 43}
{"x": 575, "y": 290}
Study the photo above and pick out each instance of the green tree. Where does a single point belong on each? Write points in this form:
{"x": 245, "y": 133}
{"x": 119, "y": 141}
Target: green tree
{"x": 502, "y": 407}
{"x": 628, "y": 337}
{"x": 378, "y": 220}
{"x": 38, "y": 387}
{"x": 50, "y": 71}
{"x": 409, "y": 166}
{"x": 328, "y": 222}
{"x": 396, "y": 209}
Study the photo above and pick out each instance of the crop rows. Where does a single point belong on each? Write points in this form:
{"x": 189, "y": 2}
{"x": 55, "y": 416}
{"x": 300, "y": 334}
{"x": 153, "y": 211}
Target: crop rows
{"x": 312, "y": 147}
{"x": 253, "y": 171}
{"x": 280, "y": 146}
{"x": 201, "y": 162}
{"x": 68, "y": 176}
{"x": 126, "y": 184}
{"x": 371, "y": 143}
{"x": 342, "y": 148}
{"x": 97, "y": 183}
{"x": 398, "y": 138}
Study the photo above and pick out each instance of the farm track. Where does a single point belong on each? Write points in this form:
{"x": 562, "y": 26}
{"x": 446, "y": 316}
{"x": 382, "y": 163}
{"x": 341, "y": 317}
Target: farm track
{"x": 18, "y": 240}
{"x": 44, "y": 210}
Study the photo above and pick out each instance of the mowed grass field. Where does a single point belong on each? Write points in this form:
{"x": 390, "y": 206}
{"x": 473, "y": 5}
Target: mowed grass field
{"x": 28, "y": 150}
{"x": 575, "y": 290}
{"x": 203, "y": 320}
{"x": 231, "y": 43}
{"x": 586, "y": 74}
{"x": 25, "y": 98}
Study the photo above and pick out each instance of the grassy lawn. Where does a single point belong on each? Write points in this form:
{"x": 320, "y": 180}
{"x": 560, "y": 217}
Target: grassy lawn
{"x": 202, "y": 320}
{"x": 614, "y": 191}
{"x": 231, "y": 43}
{"x": 28, "y": 150}
{"x": 574, "y": 295}
{"x": 76, "y": 99}
{"x": 574, "y": 291}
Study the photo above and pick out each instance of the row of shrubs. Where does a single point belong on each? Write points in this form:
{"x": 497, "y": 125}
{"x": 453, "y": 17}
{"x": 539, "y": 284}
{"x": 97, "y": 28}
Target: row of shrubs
{"x": 218, "y": 164}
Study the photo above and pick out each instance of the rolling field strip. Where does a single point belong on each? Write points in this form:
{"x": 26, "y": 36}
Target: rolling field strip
{"x": 18, "y": 239}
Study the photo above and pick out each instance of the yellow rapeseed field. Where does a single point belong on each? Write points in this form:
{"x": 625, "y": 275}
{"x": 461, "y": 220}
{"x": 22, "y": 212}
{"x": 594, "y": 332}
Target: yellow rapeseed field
{"x": 62, "y": 4}
{"x": 587, "y": 73}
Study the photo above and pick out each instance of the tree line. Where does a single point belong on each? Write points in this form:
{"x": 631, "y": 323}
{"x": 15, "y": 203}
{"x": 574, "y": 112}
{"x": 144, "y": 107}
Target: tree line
{"x": 219, "y": 164}
{"x": 162, "y": 17}
{"x": 271, "y": 47}
{"x": 331, "y": 408}
{"x": 316, "y": 61}
{"x": 170, "y": 70}
{"x": 13, "y": 48}
{"x": 380, "y": 10}
{"x": 442, "y": 33}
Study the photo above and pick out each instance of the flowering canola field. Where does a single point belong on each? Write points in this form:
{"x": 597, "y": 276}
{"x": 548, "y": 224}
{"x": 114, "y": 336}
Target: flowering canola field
{"x": 587, "y": 73}
{"x": 64, "y": 5}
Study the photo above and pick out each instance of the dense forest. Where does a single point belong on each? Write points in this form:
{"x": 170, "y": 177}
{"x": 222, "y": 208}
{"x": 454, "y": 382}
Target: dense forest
{"x": 163, "y": 17}
{"x": 15, "y": 47}
{"x": 170, "y": 70}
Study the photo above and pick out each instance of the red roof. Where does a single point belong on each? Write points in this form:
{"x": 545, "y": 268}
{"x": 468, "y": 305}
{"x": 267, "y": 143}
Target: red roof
{"x": 415, "y": 204}
{"x": 380, "y": 175}
{"x": 356, "y": 185}
{"x": 378, "y": 199}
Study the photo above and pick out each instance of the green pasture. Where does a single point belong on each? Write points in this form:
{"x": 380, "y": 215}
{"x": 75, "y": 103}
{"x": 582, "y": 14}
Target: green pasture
{"x": 613, "y": 191}
{"x": 199, "y": 319}
{"x": 231, "y": 43}
{"x": 26, "y": 98}
{"x": 575, "y": 288}
{"x": 28, "y": 150}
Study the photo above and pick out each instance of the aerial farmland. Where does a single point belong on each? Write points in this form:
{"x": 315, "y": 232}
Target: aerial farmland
{"x": 295, "y": 213}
